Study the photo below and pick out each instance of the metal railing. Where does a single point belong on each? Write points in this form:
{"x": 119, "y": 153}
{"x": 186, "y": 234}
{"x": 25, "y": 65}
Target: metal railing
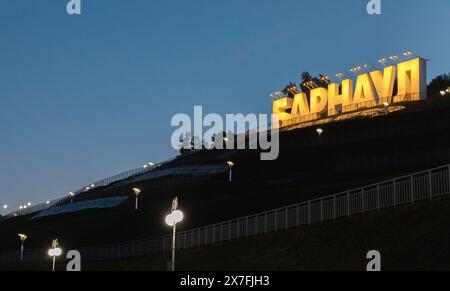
{"x": 396, "y": 192}
{"x": 65, "y": 200}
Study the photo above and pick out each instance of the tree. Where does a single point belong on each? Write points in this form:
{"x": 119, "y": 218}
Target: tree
{"x": 438, "y": 84}
{"x": 290, "y": 90}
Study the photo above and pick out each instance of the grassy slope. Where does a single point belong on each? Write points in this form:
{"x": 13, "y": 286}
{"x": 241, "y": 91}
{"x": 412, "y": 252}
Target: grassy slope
{"x": 413, "y": 237}
{"x": 298, "y": 175}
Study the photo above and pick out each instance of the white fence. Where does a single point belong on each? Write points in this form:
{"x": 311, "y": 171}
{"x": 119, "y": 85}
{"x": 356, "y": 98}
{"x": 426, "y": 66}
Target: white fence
{"x": 400, "y": 191}
{"x": 65, "y": 200}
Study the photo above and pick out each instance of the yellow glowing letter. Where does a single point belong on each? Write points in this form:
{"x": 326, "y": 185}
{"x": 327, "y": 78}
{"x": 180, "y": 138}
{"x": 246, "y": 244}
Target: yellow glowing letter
{"x": 280, "y": 107}
{"x": 344, "y": 99}
{"x": 300, "y": 106}
{"x": 364, "y": 92}
{"x": 384, "y": 83}
{"x": 319, "y": 100}
{"x": 412, "y": 83}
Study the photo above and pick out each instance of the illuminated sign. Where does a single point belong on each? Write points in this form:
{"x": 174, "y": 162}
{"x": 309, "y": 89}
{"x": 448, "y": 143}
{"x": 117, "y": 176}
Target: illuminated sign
{"x": 371, "y": 90}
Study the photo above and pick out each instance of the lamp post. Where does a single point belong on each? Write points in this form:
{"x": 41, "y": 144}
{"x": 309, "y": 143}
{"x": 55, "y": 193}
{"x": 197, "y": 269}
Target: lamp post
{"x": 71, "y": 195}
{"x": 383, "y": 62}
{"x": 340, "y": 75}
{"x": 319, "y": 133}
{"x": 386, "y": 108}
{"x": 137, "y": 191}
{"x": 54, "y": 252}
{"x": 176, "y": 216}
{"x": 230, "y": 172}
{"x": 5, "y": 207}
{"x": 22, "y": 238}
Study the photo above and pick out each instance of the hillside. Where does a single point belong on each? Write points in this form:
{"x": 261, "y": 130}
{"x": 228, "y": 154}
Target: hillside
{"x": 409, "y": 238}
{"x": 352, "y": 153}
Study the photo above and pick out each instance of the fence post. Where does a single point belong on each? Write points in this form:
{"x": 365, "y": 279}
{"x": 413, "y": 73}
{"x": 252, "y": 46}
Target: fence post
{"x": 378, "y": 197}
{"x": 363, "y": 200}
{"x": 287, "y": 218}
{"x": 395, "y": 194}
{"x": 276, "y": 220}
{"x": 348, "y": 204}
{"x": 265, "y": 222}
{"x": 448, "y": 176}
{"x": 431, "y": 185}
{"x": 298, "y": 215}
{"x": 321, "y": 210}
{"x": 334, "y": 207}
{"x": 309, "y": 213}
{"x": 246, "y": 228}
{"x": 412, "y": 189}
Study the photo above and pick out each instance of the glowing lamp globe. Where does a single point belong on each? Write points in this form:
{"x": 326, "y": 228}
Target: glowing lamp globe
{"x": 177, "y": 216}
{"x": 169, "y": 220}
{"x": 56, "y": 252}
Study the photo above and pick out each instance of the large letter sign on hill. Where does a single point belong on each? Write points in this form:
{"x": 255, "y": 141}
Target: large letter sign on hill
{"x": 371, "y": 89}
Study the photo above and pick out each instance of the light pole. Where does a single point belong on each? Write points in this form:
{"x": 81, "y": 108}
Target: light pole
{"x": 230, "y": 172}
{"x": 54, "y": 252}
{"x": 386, "y": 108}
{"x": 319, "y": 133}
{"x": 22, "y": 238}
{"x": 176, "y": 216}
{"x": 5, "y": 207}
{"x": 137, "y": 191}
{"x": 71, "y": 195}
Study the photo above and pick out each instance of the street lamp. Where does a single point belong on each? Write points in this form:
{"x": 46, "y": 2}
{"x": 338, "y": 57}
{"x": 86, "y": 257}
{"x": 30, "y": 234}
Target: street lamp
{"x": 386, "y": 108}
{"x": 395, "y": 58}
{"x": 319, "y": 133}
{"x": 149, "y": 165}
{"x": 137, "y": 191}
{"x": 230, "y": 172}
{"x": 383, "y": 61}
{"x": 340, "y": 75}
{"x": 22, "y": 238}
{"x": 54, "y": 252}
{"x": 72, "y": 195}
{"x": 5, "y": 207}
{"x": 175, "y": 217}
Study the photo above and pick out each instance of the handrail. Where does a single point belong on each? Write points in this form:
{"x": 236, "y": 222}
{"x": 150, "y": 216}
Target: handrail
{"x": 104, "y": 182}
{"x": 403, "y": 190}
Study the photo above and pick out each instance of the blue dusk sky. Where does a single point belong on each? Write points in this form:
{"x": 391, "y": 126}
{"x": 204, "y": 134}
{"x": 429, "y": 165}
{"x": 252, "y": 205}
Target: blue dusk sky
{"x": 86, "y": 97}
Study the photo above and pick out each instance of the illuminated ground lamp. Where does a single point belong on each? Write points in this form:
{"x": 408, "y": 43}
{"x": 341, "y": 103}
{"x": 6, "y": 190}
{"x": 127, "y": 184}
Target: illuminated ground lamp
{"x": 395, "y": 59}
{"x": 319, "y": 134}
{"x": 230, "y": 172}
{"x": 22, "y": 238}
{"x": 340, "y": 75}
{"x": 71, "y": 195}
{"x": 54, "y": 252}
{"x": 383, "y": 62}
{"x": 386, "y": 108}
{"x": 136, "y": 191}
{"x": 175, "y": 217}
